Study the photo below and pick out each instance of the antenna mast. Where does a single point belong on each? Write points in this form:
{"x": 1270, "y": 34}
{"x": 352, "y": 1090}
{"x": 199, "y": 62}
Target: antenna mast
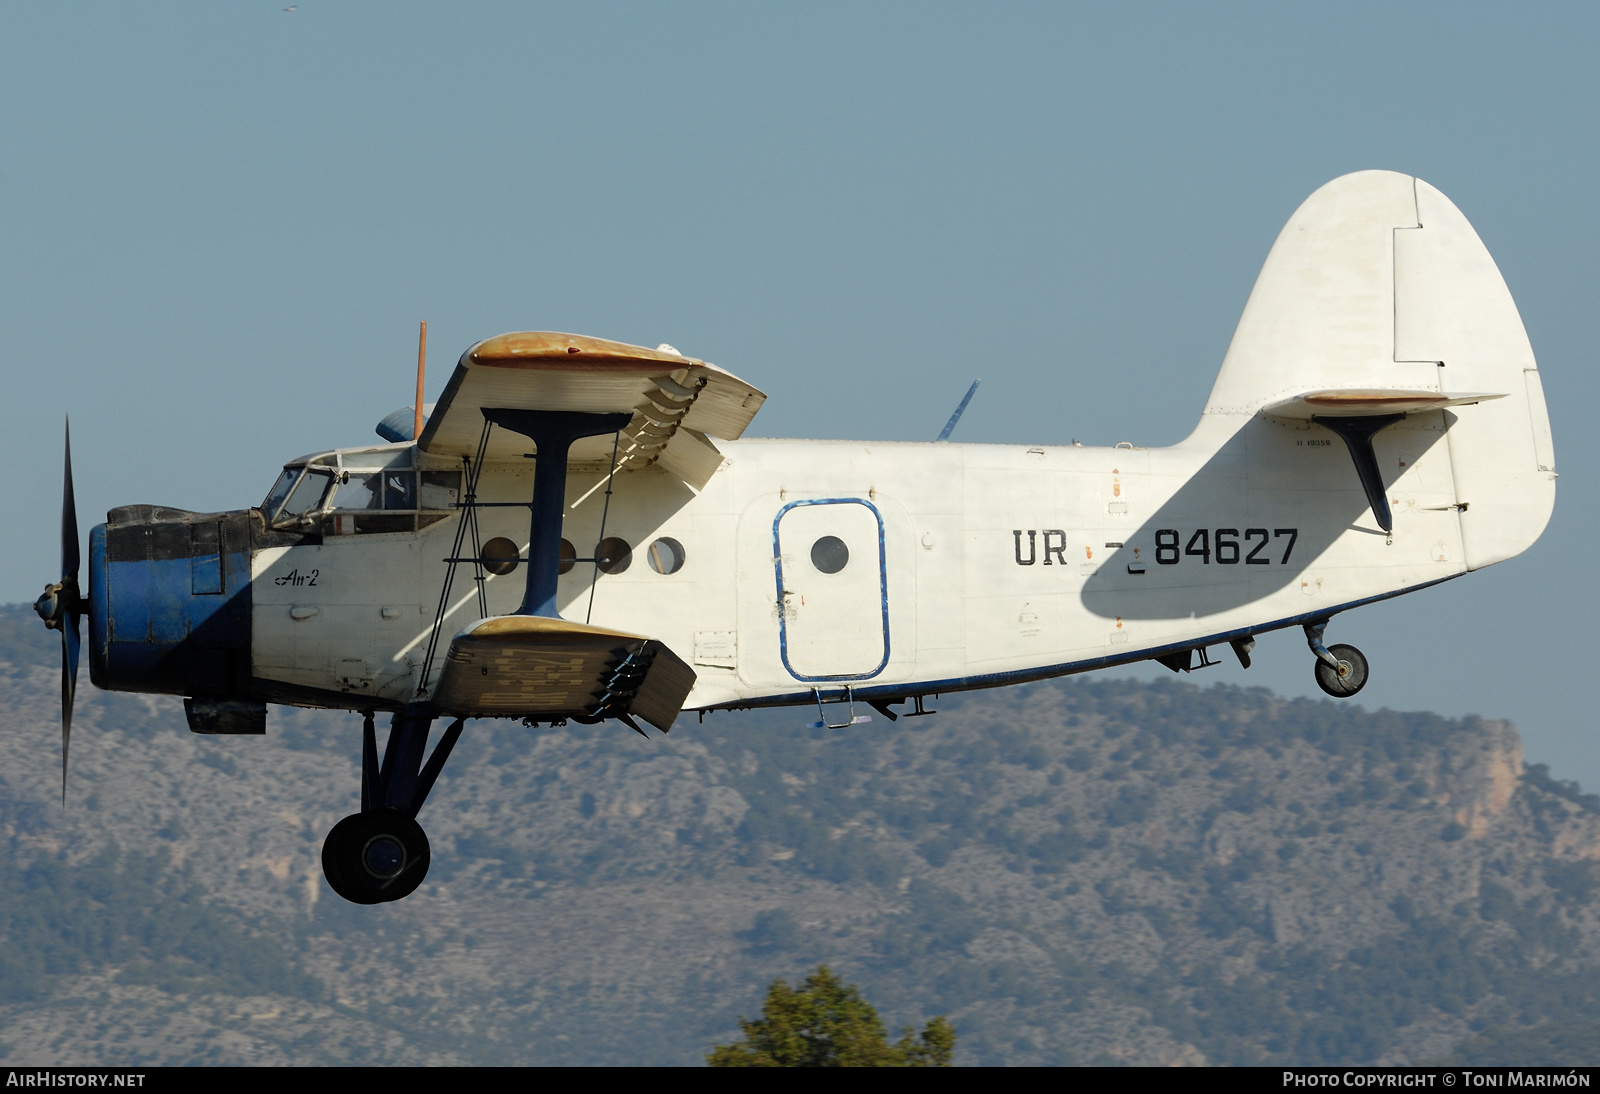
{"x": 422, "y": 366}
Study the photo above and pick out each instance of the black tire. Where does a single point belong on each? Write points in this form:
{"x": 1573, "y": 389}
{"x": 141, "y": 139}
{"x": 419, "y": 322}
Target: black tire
{"x": 1352, "y": 676}
{"x": 375, "y": 857}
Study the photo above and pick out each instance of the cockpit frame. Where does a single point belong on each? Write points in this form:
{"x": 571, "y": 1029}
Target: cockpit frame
{"x": 360, "y": 491}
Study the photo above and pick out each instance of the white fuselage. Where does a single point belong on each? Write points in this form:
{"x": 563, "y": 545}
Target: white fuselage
{"x": 967, "y": 565}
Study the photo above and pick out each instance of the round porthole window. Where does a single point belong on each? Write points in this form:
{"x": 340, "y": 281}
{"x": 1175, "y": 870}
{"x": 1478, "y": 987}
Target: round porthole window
{"x": 569, "y": 554}
{"x": 613, "y": 555}
{"x": 500, "y": 556}
{"x": 666, "y": 555}
{"x": 829, "y": 554}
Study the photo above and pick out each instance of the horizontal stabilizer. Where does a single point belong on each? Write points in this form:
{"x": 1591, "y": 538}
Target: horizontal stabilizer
{"x": 535, "y": 667}
{"x": 1358, "y": 414}
{"x": 1371, "y": 402}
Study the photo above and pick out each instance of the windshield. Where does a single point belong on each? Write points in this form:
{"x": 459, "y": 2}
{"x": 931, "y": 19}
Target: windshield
{"x": 279, "y": 491}
{"x": 307, "y": 493}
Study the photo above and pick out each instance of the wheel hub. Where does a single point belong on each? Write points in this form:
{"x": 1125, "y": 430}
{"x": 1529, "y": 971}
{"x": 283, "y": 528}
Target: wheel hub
{"x": 383, "y": 856}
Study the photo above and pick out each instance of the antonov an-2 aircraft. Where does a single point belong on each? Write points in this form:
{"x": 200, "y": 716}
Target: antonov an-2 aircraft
{"x": 580, "y": 533}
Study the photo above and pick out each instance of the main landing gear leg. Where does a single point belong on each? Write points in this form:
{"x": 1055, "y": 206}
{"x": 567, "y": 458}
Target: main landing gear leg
{"x": 381, "y": 853}
{"x": 1341, "y": 670}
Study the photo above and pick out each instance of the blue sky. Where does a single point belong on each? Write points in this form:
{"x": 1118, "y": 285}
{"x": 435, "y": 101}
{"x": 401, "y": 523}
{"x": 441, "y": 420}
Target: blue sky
{"x": 220, "y": 224}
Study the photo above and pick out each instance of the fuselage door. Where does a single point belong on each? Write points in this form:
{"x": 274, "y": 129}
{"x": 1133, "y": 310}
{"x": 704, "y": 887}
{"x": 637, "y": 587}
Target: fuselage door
{"x": 832, "y": 587}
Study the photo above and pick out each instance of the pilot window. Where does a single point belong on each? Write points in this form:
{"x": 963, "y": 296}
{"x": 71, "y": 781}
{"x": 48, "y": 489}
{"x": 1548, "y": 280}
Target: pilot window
{"x": 280, "y": 491}
{"x": 371, "y": 491}
{"x": 379, "y": 492}
{"x": 357, "y": 490}
{"x": 400, "y": 489}
{"x": 440, "y": 490}
{"x": 306, "y": 497}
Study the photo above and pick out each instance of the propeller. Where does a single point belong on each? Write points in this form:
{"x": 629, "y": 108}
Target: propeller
{"x": 61, "y": 607}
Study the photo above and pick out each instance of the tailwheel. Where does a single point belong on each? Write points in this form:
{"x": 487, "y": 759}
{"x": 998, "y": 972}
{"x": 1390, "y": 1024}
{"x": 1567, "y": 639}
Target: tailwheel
{"x": 1350, "y": 675}
{"x": 375, "y": 856}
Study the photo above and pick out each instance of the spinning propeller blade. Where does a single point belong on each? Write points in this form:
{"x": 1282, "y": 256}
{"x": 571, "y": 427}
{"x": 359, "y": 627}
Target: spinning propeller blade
{"x": 72, "y": 608}
{"x": 69, "y": 688}
{"x": 61, "y": 608}
{"x": 69, "y": 519}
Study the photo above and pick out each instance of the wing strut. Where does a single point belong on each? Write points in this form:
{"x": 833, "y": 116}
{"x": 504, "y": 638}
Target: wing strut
{"x": 469, "y": 521}
{"x": 553, "y": 432}
{"x": 594, "y": 579}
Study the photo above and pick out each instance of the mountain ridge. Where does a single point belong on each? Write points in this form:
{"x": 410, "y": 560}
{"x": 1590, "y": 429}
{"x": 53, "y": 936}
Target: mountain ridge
{"x": 1077, "y": 871}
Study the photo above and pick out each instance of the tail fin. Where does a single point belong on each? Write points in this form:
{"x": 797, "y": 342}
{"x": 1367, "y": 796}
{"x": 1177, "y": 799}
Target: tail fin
{"x": 1378, "y": 283}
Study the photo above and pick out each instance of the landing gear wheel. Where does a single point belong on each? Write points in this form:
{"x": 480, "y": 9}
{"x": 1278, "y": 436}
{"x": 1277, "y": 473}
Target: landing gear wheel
{"x": 376, "y": 856}
{"x": 1352, "y": 674}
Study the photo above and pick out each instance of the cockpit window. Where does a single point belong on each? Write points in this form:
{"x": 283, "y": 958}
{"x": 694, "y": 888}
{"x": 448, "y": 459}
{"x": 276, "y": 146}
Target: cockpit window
{"x": 400, "y": 489}
{"x": 372, "y": 490}
{"x": 279, "y": 491}
{"x": 440, "y": 490}
{"x": 358, "y": 490}
{"x": 307, "y": 494}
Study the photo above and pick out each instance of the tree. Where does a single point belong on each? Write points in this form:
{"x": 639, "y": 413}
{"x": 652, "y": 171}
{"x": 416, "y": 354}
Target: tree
{"x": 826, "y": 1023}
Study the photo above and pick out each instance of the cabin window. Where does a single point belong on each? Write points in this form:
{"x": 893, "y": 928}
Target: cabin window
{"x": 500, "y": 556}
{"x": 613, "y": 555}
{"x": 666, "y": 555}
{"x": 829, "y": 554}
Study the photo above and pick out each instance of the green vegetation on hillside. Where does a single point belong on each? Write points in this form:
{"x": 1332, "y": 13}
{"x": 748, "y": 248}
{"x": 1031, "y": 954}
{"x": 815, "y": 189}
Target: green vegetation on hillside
{"x": 826, "y": 1023}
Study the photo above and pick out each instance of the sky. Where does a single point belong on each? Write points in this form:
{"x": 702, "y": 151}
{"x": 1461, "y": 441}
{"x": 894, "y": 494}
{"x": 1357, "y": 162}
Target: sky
{"x": 220, "y": 225}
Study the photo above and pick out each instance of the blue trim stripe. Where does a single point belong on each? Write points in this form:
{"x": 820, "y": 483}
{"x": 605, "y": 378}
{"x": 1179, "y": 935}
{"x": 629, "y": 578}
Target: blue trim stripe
{"x": 883, "y": 589}
{"x": 1067, "y": 668}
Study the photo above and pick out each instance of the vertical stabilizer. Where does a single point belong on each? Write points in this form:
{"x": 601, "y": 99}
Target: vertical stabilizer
{"x": 1378, "y": 283}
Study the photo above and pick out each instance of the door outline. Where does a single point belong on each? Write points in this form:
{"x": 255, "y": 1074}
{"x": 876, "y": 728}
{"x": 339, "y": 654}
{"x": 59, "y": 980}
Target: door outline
{"x": 883, "y": 589}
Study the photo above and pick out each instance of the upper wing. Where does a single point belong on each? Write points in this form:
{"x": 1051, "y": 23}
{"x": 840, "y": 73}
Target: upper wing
{"x": 676, "y": 401}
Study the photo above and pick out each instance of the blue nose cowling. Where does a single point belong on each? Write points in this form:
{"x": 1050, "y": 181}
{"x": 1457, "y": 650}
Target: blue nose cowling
{"x": 169, "y": 602}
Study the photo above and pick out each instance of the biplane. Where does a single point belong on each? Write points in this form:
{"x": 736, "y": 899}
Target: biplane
{"x": 578, "y": 530}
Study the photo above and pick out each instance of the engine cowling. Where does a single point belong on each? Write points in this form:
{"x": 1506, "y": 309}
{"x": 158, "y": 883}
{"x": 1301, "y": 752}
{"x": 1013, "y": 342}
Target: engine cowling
{"x": 169, "y": 602}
